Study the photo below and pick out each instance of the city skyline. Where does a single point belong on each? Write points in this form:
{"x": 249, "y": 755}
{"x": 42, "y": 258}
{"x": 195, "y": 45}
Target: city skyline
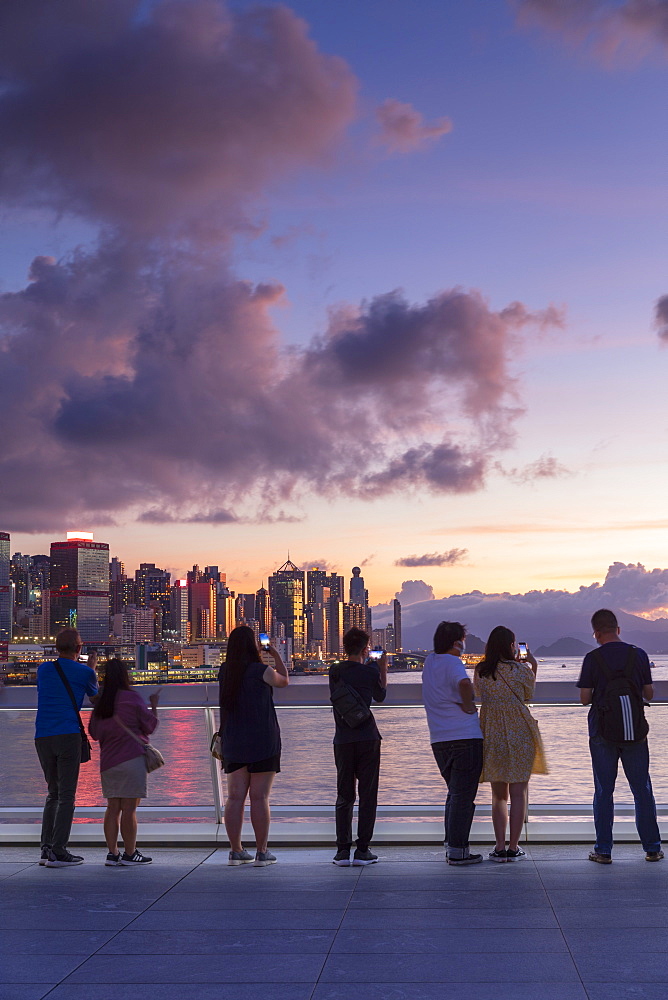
{"x": 419, "y": 328}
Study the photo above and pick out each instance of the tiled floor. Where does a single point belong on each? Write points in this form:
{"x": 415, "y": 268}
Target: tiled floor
{"x": 551, "y": 927}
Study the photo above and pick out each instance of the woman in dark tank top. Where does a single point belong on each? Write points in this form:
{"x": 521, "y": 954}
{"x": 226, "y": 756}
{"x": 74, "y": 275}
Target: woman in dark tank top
{"x": 251, "y": 740}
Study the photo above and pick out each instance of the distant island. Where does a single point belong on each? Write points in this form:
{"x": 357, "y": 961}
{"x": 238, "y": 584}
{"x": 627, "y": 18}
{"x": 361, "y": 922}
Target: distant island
{"x": 568, "y": 646}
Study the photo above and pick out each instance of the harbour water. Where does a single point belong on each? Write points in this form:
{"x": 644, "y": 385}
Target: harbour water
{"x": 408, "y": 773}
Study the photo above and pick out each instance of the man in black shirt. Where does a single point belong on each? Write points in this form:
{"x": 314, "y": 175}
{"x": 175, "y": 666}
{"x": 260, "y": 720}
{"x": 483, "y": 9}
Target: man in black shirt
{"x": 605, "y": 755}
{"x": 357, "y": 751}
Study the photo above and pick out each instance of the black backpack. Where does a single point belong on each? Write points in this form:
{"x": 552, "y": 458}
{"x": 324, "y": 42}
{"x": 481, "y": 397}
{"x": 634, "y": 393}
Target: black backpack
{"x": 621, "y": 712}
{"x": 347, "y": 702}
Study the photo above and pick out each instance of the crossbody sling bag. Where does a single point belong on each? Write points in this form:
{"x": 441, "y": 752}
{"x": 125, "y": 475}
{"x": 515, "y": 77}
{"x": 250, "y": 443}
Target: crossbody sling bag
{"x": 85, "y": 742}
{"x": 347, "y": 702}
{"x": 152, "y": 756}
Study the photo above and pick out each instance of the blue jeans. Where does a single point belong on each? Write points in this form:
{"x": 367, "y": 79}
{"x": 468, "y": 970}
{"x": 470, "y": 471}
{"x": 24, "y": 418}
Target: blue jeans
{"x": 605, "y": 757}
{"x": 460, "y": 763}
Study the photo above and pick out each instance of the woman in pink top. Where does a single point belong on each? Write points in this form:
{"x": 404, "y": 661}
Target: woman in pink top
{"x": 122, "y": 723}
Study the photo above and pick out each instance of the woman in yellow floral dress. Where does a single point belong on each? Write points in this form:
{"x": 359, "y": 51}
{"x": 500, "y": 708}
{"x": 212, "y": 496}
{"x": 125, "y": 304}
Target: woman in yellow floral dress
{"x": 512, "y": 749}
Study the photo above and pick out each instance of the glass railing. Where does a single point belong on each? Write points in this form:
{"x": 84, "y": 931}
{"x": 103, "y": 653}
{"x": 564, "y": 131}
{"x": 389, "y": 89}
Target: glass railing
{"x": 186, "y": 797}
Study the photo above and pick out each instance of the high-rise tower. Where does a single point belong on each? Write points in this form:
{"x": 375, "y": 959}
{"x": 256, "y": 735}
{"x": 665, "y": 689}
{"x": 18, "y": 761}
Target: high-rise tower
{"x": 79, "y": 586}
{"x": 286, "y": 593}
{"x": 5, "y": 590}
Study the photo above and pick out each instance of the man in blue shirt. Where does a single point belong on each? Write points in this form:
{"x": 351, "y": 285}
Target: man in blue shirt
{"x": 605, "y": 755}
{"x": 58, "y": 742}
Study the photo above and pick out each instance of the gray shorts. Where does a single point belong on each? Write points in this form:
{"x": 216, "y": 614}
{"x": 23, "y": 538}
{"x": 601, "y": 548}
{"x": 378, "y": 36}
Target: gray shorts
{"x": 126, "y": 780}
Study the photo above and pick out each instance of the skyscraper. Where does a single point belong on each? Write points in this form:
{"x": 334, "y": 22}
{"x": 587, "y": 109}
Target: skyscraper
{"x": 5, "y": 590}
{"x": 179, "y": 610}
{"x": 397, "y": 626}
{"x": 359, "y": 598}
{"x": 80, "y": 586}
{"x": 203, "y": 609}
{"x": 286, "y": 592}
{"x": 263, "y": 611}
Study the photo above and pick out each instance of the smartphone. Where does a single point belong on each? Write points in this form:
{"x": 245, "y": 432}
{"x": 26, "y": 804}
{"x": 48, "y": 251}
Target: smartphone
{"x": 83, "y": 657}
{"x": 265, "y": 642}
{"x": 375, "y": 654}
{"x": 522, "y": 650}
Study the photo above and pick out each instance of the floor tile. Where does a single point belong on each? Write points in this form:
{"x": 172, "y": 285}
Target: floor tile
{"x": 39, "y": 969}
{"x": 286, "y": 899}
{"x": 442, "y": 940}
{"x": 437, "y": 898}
{"x": 483, "y": 918}
{"x": 253, "y": 967}
{"x": 8, "y": 868}
{"x": 56, "y": 942}
{"x": 24, "y": 991}
{"x": 590, "y": 940}
{"x": 472, "y": 968}
{"x": 628, "y": 967}
{"x": 579, "y": 916}
{"x": 70, "y": 918}
{"x": 450, "y": 991}
{"x": 624, "y": 991}
{"x": 212, "y": 942}
{"x": 174, "y": 991}
{"x": 156, "y": 920}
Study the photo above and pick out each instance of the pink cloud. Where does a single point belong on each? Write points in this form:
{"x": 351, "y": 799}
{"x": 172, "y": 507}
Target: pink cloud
{"x": 610, "y": 28}
{"x": 403, "y": 128}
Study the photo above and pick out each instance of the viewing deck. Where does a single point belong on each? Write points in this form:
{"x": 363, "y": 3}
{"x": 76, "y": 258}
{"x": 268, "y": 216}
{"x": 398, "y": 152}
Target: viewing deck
{"x": 551, "y": 927}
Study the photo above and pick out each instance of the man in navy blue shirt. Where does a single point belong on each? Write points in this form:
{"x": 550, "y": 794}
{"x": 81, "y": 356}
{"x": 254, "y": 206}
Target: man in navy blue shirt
{"x": 605, "y": 756}
{"x": 58, "y": 742}
{"x": 357, "y": 751}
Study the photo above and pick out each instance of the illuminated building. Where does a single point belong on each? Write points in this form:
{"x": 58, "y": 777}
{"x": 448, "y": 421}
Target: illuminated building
{"x": 79, "y": 586}
{"x": 5, "y": 590}
{"x": 286, "y": 592}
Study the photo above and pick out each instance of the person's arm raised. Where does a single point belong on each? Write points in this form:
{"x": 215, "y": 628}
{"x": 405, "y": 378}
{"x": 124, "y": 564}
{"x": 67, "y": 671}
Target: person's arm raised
{"x": 276, "y": 676}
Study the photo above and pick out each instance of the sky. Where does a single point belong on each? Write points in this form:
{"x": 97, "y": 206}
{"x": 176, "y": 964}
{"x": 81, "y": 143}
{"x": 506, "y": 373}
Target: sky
{"x": 377, "y": 284}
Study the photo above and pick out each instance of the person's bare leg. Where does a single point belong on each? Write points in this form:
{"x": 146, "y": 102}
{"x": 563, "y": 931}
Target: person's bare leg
{"x": 260, "y": 787}
{"x": 500, "y": 813}
{"x": 237, "y": 790}
{"x": 129, "y": 824}
{"x": 111, "y": 821}
{"x": 518, "y": 808}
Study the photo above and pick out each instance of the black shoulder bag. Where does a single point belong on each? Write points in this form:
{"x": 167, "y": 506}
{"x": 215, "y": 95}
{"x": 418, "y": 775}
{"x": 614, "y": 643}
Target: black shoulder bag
{"x": 85, "y": 742}
{"x": 347, "y": 702}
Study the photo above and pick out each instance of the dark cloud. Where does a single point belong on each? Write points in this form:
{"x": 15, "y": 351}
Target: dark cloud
{"x": 412, "y": 592}
{"x": 434, "y": 558}
{"x": 608, "y": 26}
{"x": 141, "y": 377}
{"x": 209, "y": 517}
{"x": 545, "y": 615}
{"x": 661, "y": 317}
{"x": 403, "y": 129}
{"x": 168, "y": 118}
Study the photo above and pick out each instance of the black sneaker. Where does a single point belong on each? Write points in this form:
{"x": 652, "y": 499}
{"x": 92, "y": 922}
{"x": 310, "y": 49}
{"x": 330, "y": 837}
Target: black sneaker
{"x": 470, "y": 859}
{"x": 342, "y": 858}
{"x": 44, "y": 856}
{"x": 600, "y": 859}
{"x": 364, "y": 857}
{"x": 65, "y": 860}
{"x": 514, "y": 855}
{"x": 654, "y": 856}
{"x": 113, "y": 860}
{"x": 500, "y": 856}
{"x": 134, "y": 859}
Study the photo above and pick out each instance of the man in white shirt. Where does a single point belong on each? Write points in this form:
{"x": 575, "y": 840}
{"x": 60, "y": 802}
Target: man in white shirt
{"x": 455, "y": 735}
